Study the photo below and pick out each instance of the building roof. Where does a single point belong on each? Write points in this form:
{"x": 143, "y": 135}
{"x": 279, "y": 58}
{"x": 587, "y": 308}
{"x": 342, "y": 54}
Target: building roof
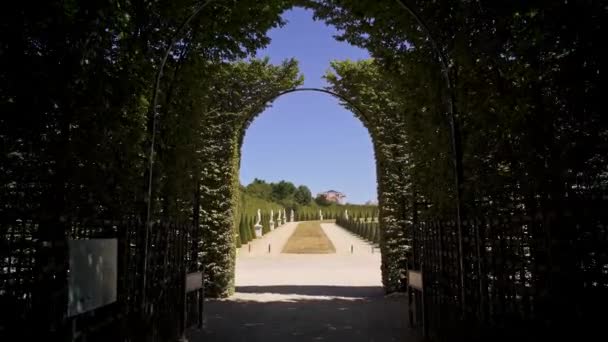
{"x": 334, "y": 191}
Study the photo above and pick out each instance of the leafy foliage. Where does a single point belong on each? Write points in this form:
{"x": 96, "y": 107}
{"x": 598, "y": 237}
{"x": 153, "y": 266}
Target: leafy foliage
{"x": 524, "y": 82}
{"x": 77, "y": 78}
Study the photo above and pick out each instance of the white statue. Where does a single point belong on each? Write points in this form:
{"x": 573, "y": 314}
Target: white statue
{"x": 271, "y": 219}
{"x": 284, "y": 216}
{"x": 258, "y": 227}
{"x": 346, "y": 214}
{"x": 320, "y": 215}
{"x": 292, "y": 216}
{"x": 279, "y": 219}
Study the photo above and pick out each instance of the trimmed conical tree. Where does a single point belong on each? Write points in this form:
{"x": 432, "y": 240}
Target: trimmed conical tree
{"x": 265, "y": 224}
{"x": 377, "y": 240}
{"x": 243, "y": 230}
{"x": 252, "y": 227}
{"x": 249, "y": 227}
{"x": 237, "y": 237}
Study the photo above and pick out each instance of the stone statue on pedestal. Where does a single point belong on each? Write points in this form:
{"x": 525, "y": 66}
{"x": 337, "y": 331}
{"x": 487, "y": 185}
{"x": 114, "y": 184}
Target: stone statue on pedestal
{"x": 346, "y": 214}
{"x": 271, "y": 219}
{"x": 279, "y": 219}
{"x": 320, "y": 215}
{"x": 284, "y": 216}
{"x": 291, "y": 216}
{"x": 257, "y": 226}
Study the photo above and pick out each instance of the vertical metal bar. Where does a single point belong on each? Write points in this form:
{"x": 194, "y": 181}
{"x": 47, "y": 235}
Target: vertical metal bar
{"x": 184, "y": 275}
{"x": 155, "y": 115}
{"x": 455, "y": 142}
{"x": 425, "y": 285}
{"x": 200, "y": 308}
{"x": 480, "y": 271}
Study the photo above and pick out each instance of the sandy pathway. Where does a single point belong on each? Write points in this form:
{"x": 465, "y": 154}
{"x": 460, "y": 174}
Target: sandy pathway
{"x": 307, "y": 297}
{"x": 276, "y": 239}
{"x": 343, "y": 240}
{"x": 259, "y": 268}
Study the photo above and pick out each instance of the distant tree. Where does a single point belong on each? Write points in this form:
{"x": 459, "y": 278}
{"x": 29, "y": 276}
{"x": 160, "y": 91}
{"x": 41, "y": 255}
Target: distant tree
{"x": 282, "y": 190}
{"x": 322, "y": 200}
{"x": 260, "y": 189}
{"x": 302, "y": 195}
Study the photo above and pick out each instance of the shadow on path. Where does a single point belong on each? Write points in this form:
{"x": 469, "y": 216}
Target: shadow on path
{"x": 321, "y": 290}
{"x": 306, "y": 313}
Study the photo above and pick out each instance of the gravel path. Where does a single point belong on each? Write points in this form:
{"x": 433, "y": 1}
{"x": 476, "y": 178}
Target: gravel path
{"x": 259, "y": 247}
{"x": 307, "y": 297}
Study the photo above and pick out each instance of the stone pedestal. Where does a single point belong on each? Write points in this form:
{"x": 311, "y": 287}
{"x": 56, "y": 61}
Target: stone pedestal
{"x": 258, "y": 230}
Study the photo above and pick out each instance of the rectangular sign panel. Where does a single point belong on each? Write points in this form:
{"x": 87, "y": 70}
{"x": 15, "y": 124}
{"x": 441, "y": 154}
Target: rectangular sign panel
{"x": 93, "y": 274}
{"x": 415, "y": 279}
{"x": 194, "y": 281}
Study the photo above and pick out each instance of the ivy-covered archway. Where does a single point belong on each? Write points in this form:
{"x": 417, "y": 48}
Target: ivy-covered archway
{"x": 219, "y": 206}
{"x": 389, "y": 141}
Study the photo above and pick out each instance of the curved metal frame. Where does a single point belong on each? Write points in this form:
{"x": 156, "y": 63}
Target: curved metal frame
{"x": 454, "y": 140}
{"x": 320, "y": 90}
{"x": 155, "y": 114}
{"x": 454, "y": 130}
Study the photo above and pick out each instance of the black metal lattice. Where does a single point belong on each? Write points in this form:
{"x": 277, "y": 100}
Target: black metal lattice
{"x": 28, "y": 272}
{"x": 525, "y": 277}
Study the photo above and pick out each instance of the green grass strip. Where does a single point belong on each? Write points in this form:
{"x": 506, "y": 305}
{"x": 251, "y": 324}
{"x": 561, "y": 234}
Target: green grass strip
{"x": 309, "y": 238}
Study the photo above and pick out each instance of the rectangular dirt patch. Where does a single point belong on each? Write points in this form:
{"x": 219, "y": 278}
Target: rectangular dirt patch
{"x": 309, "y": 238}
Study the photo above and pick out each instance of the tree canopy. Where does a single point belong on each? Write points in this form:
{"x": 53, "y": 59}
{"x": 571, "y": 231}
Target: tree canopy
{"x": 282, "y": 192}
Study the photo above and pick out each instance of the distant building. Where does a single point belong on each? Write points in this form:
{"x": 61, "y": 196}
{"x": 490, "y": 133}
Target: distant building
{"x": 333, "y": 196}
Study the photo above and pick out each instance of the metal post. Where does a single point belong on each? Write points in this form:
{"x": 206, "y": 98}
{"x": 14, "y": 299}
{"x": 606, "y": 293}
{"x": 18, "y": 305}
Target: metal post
{"x": 455, "y": 142}
{"x": 201, "y": 298}
{"x": 155, "y": 115}
{"x": 184, "y": 293}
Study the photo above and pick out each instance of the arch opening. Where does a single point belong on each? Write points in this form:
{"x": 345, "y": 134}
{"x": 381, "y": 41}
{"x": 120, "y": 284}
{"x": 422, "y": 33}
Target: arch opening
{"x": 346, "y": 226}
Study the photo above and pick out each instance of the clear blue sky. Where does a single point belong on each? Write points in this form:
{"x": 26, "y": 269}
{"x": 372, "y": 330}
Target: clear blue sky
{"x": 308, "y": 138}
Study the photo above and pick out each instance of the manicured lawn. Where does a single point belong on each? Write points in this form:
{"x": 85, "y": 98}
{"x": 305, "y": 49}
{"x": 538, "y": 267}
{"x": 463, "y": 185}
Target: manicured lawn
{"x": 309, "y": 238}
